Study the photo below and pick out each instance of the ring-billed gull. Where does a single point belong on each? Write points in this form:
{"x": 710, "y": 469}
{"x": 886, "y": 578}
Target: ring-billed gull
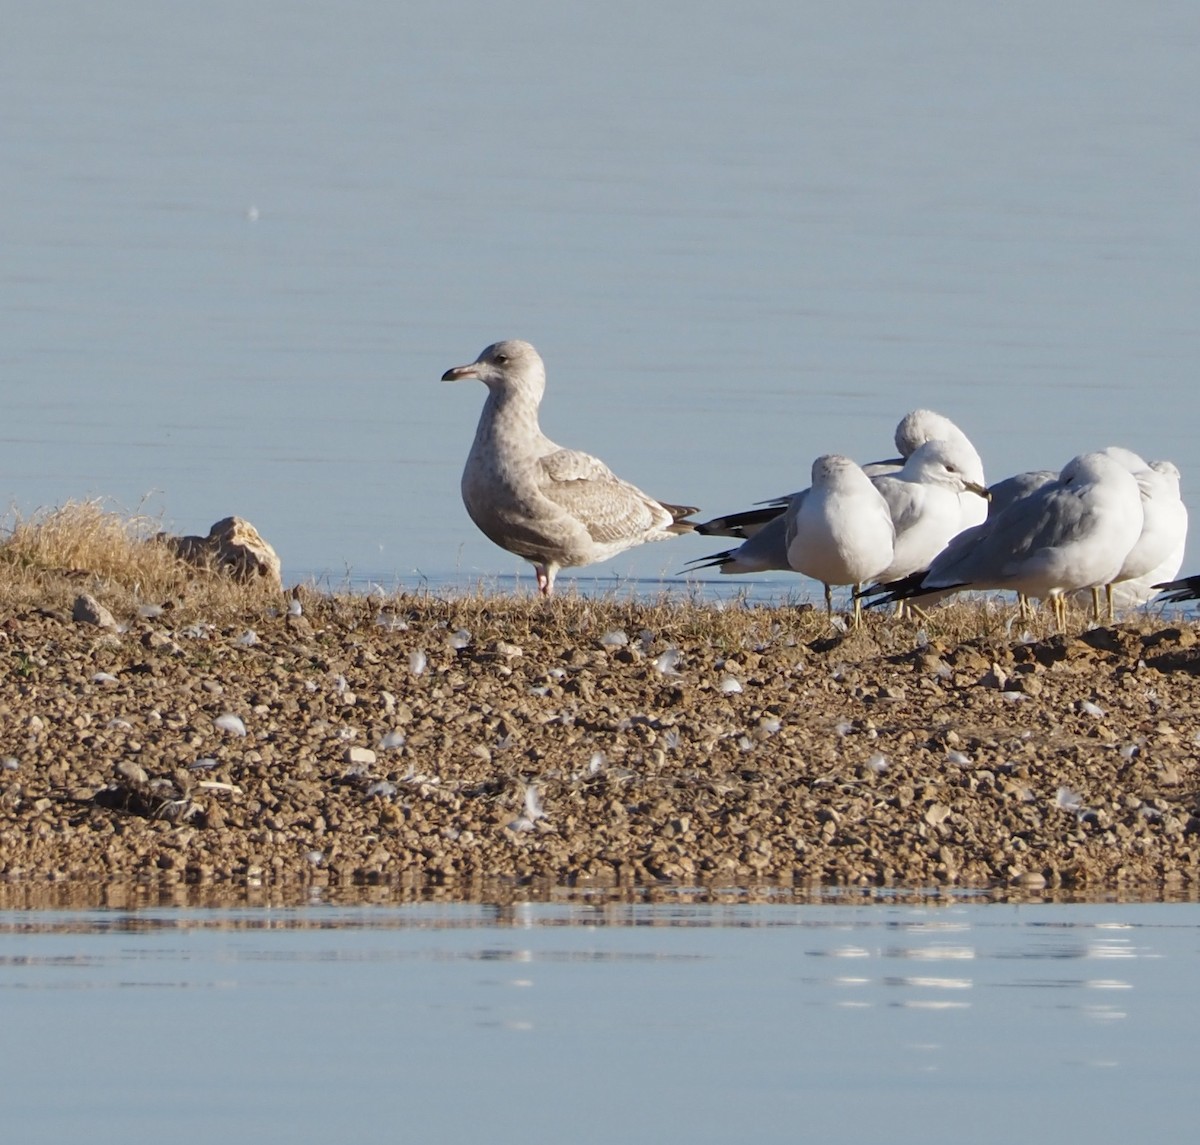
{"x": 557, "y": 508}
{"x": 841, "y": 532}
{"x": 1071, "y": 533}
{"x": 913, "y": 430}
{"x": 1158, "y": 552}
{"x": 923, "y": 498}
{"x": 762, "y": 528}
{"x": 922, "y": 425}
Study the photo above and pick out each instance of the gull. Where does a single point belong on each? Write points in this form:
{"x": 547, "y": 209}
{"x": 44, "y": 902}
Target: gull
{"x": 913, "y": 430}
{"x": 557, "y": 508}
{"x": 923, "y": 499}
{"x": 1014, "y": 488}
{"x": 1158, "y": 552}
{"x": 1071, "y": 533}
{"x": 841, "y": 532}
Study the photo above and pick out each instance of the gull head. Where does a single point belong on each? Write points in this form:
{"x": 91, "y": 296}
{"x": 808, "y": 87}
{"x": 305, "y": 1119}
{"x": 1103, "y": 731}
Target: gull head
{"x": 951, "y": 463}
{"x": 922, "y": 425}
{"x": 510, "y": 365}
{"x": 1133, "y": 462}
{"x": 833, "y": 469}
{"x": 1097, "y": 469}
{"x": 1169, "y": 475}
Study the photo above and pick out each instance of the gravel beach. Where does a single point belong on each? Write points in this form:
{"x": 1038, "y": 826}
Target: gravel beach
{"x": 424, "y": 742}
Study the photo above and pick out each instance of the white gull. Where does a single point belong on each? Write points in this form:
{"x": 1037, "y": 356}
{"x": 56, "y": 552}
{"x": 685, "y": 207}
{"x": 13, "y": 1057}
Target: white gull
{"x": 762, "y": 528}
{"x": 841, "y": 532}
{"x": 1074, "y": 532}
{"x": 924, "y": 498}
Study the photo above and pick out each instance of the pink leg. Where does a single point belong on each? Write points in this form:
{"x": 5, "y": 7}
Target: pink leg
{"x": 545, "y": 586}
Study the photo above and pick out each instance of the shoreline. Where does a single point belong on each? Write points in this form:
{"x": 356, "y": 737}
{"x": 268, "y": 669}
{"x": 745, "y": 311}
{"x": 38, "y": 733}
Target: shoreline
{"x": 607, "y": 747}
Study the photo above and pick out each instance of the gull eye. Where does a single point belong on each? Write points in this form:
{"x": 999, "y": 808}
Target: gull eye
{"x": 501, "y": 359}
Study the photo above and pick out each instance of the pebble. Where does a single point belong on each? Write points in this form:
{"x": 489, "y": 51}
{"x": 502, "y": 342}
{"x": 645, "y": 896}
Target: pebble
{"x": 228, "y": 722}
{"x": 88, "y": 610}
{"x": 582, "y": 759}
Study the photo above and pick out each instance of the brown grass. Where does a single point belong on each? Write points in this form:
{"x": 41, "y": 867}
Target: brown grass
{"x": 48, "y": 559}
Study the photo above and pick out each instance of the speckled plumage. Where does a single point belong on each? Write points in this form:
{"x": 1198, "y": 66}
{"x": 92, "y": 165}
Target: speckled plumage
{"x": 557, "y": 508}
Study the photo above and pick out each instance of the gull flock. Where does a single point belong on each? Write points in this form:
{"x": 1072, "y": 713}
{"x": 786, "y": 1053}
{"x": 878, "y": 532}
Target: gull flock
{"x": 907, "y": 529}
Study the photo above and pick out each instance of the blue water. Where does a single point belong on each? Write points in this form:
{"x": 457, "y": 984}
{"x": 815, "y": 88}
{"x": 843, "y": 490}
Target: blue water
{"x": 548, "y": 1023}
{"x": 242, "y": 243}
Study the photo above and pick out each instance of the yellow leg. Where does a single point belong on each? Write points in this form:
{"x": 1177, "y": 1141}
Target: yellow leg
{"x": 1060, "y": 611}
{"x": 1096, "y": 603}
{"x": 1112, "y": 612}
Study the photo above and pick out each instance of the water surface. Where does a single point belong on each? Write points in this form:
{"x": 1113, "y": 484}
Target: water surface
{"x": 242, "y": 243}
{"x": 557, "y": 1022}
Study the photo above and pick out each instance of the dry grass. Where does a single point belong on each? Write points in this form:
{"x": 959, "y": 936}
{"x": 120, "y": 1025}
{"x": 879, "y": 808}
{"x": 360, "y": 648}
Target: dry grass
{"x": 48, "y": 559}
{"x": 730, "y": 628}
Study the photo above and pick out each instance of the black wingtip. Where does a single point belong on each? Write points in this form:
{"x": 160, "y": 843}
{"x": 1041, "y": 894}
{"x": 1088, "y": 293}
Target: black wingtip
{"x": 1178, "y": 591}
{"x": 712, "y": 561}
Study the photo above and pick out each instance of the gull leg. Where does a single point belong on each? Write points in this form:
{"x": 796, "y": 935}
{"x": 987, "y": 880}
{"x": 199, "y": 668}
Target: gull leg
{"x": 1112, "y": 612}
{"x": 1096, "y": 603}
{"x": 829, "y": 600}
{"x": 1060, "y": 611}
{"x": 857, "y": 607}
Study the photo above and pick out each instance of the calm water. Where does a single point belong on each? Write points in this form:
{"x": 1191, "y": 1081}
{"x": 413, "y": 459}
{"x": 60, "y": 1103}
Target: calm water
{"x": 551, "y": 1023}
{"x": 242, "y": 243}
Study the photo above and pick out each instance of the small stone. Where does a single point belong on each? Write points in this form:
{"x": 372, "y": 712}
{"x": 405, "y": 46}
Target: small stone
{"x": 228, "y": 722}
{"x": 360, "y": 756}
{"x": 88, "y": 610}
{"x": 233, "y": 546}
{"x": 130, "y": 771}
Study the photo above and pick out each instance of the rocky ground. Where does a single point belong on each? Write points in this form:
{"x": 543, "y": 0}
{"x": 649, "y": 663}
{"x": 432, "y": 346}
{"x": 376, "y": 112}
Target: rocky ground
{"x": 593, "y": 744}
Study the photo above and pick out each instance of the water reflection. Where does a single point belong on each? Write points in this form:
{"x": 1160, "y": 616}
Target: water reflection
{"x": 710, "y": 1016}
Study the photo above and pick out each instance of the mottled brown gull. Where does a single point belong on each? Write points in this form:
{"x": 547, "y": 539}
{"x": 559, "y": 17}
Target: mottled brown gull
{"x": 557, "y": 508}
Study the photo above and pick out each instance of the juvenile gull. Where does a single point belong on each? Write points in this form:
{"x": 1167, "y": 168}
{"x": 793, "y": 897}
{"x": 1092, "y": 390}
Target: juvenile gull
{"x": 841, "y": 532}
{"x": 1071, "y": 533}
{"x": 557, "y": 508}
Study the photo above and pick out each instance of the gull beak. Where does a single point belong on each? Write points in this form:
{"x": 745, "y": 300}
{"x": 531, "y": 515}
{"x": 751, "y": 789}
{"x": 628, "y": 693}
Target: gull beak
{"x": 971, "y": 487}
{"x": 459, "y": 372}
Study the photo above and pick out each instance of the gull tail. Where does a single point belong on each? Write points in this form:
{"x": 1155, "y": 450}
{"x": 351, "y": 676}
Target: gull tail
{"x": 678, "y": 525}
{"x": 875, "y": 595}
{"x": 712, "y": 561}
{"x": 1188, "y": 588}
{"x": 741, "y": 525}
